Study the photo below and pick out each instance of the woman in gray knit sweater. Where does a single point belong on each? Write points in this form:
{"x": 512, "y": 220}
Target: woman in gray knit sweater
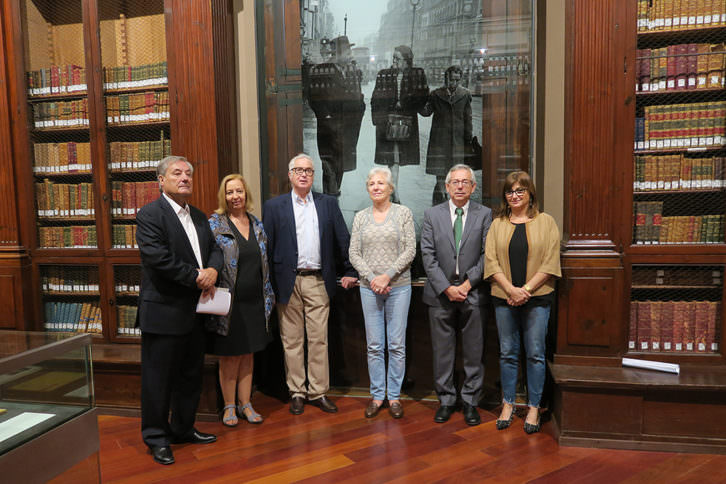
{"x": 382, "y": 247}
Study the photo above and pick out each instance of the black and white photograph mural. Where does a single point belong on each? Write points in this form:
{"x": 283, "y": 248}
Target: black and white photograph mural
{"x": 404, "y": 84}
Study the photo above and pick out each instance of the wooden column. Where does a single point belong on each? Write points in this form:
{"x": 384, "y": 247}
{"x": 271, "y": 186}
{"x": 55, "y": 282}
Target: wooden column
{"x": 599, "y": 114}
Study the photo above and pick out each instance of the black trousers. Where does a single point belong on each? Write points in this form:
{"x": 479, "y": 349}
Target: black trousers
{"x": 446, "y": 321}
{"x": 171, "y": 379}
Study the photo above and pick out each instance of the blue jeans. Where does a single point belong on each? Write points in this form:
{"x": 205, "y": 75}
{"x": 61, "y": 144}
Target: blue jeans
{"x": 533, "y": 321}
{"x": 386, "y": 317}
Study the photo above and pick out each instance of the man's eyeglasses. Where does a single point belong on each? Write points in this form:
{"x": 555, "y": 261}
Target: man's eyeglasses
{"x": 519, "y": 192}
{"x": 300, "y": 171}
{"x": 461, "y": 183}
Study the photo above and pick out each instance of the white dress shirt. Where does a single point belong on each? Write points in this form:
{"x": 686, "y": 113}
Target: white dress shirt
{"x": 185, "y": 217}
{"x": 307, "y": 231}
{"x": 452, "y": 211}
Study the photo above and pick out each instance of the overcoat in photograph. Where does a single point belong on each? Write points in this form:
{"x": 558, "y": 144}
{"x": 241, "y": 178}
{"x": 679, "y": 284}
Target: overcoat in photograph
{"x": 386, "y": 100}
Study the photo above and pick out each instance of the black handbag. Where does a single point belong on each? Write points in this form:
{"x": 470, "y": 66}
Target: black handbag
{"x": 399, "y": 127}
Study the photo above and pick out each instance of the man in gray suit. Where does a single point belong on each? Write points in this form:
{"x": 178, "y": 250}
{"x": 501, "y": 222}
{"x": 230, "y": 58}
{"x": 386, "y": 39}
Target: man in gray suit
{"x": 452, "y": 246}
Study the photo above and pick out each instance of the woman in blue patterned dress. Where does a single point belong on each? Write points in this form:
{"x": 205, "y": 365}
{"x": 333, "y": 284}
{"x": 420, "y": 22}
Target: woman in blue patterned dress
{"x": 244, "y": 330}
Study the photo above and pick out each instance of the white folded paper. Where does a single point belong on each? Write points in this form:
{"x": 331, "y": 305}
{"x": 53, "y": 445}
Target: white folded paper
{"x": 653, "y": 365}
{"x": 217, "y": 304}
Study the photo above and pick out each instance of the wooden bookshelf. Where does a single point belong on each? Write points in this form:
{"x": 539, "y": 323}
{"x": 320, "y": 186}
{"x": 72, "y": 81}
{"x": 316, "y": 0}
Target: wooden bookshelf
{"x": 48, "y": 43}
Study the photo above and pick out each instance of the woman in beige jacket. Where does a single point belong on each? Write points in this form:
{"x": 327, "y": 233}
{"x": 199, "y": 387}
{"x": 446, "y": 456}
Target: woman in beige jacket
{"x": 522, "y": 259}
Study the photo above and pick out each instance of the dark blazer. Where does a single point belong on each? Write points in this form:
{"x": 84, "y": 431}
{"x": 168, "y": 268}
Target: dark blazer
{"x": 278, "y": 218}
{"x": 439, "y": 256}
{"x": 169, "y": 293}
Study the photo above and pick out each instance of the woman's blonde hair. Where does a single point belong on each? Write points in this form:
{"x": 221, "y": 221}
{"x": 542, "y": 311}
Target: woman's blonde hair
{"x": 222, "y": 198}
{"x": 525, "y": 181}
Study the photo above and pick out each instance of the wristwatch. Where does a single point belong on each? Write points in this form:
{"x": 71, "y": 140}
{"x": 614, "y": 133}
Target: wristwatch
{"x": 527, "y": 288}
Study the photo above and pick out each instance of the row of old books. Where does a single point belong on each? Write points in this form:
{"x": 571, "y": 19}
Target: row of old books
{"x": 127, "y": 279}
{"x": 126, "y": 324}
{"x": 52, "y": 158}
{"x": 692, "y": 276}
{"x": 143, "y": 107}
{"x": 681, "y": 126}
{"x": 130, "y": 77}
{"x": 128, "y": 197}
{"x": 69, "y": 237}
{"x": 69, "y": 279}
{"x": 123, "y": 237}
{"x": 66, "y": 79}
{"x": 73, "y": 317}
{"x": 674, "y": 326}
{"x": 652, "y": 228}
{"x": 654, "y": 15}
{"x": 64, "y": 199}
{"x": 138, "y": 155}
{"x": 679, "y": 67}
{"x": 676, "y": 172}
{"x": 61, "y": 114}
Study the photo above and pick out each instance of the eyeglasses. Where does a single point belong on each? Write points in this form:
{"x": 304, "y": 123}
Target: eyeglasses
{"x": 300, "y": 171}
{"x": 461, "y": 183}
{"x": 519, "y": 192}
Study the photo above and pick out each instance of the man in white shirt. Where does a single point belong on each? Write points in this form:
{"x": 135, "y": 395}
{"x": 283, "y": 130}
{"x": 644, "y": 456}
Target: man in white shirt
{"x": 180, "y": 261}
{"x": 453, "y": 238}
{"x": 307, "y": 242}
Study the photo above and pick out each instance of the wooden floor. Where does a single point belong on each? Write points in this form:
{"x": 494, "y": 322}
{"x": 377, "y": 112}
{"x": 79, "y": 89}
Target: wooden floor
{"x": 345, "y": 447}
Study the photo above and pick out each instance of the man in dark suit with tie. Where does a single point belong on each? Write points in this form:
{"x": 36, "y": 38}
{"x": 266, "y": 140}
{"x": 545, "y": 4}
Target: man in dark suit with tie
{"x": 452, "y": 247}
{"x": 307, "y": 245}
{"x": 180, "y": 261}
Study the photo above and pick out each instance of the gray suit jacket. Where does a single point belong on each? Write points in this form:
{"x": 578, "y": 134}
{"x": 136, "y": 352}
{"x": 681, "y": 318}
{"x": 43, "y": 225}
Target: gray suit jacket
{"x": 439, "y": 256}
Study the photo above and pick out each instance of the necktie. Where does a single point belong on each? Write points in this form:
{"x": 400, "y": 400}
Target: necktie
{"x": 458, "y": 227}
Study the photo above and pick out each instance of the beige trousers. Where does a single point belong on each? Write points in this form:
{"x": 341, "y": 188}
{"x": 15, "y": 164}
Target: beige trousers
{"x": 306, "y": 313}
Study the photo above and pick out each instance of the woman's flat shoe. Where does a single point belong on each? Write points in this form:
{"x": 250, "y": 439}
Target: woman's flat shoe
{"x": 503, "y": 424}
{"x": 372, "y": 409}
{"x": 253, "y": 417}
{"x": 396, "y": 410}
{"x": 230, "y": 420}
{"x": 530, "y": 428}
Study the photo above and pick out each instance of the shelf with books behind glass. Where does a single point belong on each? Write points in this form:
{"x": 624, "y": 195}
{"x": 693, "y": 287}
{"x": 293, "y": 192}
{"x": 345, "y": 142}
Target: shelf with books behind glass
{"x": 71, "y": 297}
{"x": 675, "y": 309}
{"x": 126, "y": 281}
{"x": 679, "y": 184}
{"x": 133, "y": 54}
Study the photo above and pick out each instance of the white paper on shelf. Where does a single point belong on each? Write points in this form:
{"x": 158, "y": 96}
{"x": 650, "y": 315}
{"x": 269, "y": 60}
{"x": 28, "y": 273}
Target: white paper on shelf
{"x": 652, "y": 365}
{"x": 22, "y": 422}
{"x": 217, "y": 304}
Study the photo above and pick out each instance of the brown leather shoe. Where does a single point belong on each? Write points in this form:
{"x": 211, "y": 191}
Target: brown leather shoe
{"x": 323, "y": 404}
{"x": 297, "y": 405}
{"x": 372, "y": 409}
{"x": 396, "y": 410}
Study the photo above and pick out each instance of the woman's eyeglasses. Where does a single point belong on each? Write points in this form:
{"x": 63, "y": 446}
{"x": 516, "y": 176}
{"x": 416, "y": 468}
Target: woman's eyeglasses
{"x": 519, "y": 192}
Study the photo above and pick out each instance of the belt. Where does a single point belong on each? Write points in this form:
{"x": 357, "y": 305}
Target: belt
{"x": 308, "y": 272}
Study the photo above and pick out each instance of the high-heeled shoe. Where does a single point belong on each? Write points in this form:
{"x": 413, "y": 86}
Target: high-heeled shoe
{"x": 230, "y": 420}
{"x": 532, "y": 428}
{"x": 503, "y": 424}
{"x": 254, "y": 417}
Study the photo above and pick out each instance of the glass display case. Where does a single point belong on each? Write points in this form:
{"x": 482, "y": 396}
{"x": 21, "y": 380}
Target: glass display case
{"x": 47, "y": 407}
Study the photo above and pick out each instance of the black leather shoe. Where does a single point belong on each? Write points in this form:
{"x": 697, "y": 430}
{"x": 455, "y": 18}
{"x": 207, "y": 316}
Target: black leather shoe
{"x": 196, "y": 437}
{"x": 443, "y": 414}
{"x": 471, "y": 414}
{"x": 162, "y": 454}
{"x": 297, "y": 405}
{"x": 324, "y": 404}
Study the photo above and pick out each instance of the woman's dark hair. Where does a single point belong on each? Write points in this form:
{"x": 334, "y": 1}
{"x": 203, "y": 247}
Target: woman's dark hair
{"x": 451, "y": 69}
{"x": 525, "y": 181}
{"x": 407, "y": 54}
